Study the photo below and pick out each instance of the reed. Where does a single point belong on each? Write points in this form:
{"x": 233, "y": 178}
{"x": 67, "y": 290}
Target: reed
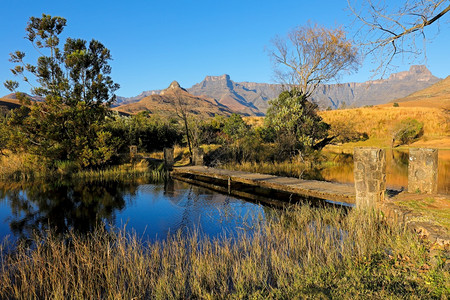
{"x": 125, "y": 171}
{"x": 299, "y": 253}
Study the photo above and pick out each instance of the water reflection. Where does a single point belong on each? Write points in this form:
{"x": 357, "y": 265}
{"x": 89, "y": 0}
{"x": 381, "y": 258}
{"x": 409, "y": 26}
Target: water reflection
{"x": 150, "y": 210}
{"x": 62, "y": 205}
{"x": 396, "y": 169}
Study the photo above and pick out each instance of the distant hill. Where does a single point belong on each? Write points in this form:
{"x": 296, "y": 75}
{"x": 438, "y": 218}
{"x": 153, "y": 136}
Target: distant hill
{"x": 9, "y": 103}
{"x": 251, "y": 98}
{"x": 164, "y": 103}
{"x": 13, "y": 96}
{"x": 437, "y": 95}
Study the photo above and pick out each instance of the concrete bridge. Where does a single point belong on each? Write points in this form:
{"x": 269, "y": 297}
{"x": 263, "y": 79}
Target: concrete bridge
{"x": 369, "y": 190}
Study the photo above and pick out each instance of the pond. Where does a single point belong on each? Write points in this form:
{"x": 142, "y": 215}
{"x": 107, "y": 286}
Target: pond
{"x": 151, "y": 210}
{"x": 396, "y": 169}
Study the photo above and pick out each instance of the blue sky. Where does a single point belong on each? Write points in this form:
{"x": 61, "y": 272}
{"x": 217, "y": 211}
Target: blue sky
{"x": 156, "y": 42}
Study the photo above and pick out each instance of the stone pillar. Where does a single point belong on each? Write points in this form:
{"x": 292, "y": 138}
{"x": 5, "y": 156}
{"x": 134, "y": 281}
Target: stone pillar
{"x": 370, "y": 176}
{"x": 423, "y": 170}
{"x": 197, "y": 156}
{"x": 133, "y": 151}
{"x": 168, "y": 157}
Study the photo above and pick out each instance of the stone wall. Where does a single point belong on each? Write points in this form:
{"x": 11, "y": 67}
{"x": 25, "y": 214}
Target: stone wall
{"x": 423, "y": 170}
{"x": 370, "y": 176}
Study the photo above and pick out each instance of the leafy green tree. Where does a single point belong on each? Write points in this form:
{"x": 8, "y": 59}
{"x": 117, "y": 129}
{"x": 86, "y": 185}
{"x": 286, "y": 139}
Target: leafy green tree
{"x": 77, "y": 90}
{"x": 298, "y": 127}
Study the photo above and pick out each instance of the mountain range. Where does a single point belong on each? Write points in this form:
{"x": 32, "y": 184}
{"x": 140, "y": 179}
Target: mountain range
{"x": 251, "y": 98}
{"x": 221, "y": 95}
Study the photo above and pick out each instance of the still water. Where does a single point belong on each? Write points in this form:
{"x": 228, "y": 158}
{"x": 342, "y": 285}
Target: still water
{"x": 396, "y": 169}
{"x": 152, "y": 211}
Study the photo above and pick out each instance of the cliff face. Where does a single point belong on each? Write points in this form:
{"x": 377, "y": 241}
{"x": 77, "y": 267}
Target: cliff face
{"x": 375, "y": 92}
{"x": 251, "y": 98}
{"x": 227, "y": 92}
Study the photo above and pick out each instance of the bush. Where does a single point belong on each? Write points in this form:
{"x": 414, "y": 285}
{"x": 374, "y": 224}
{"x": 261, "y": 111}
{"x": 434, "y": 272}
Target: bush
{"x": 407, "y": 131}
{"x": 344, "y": 132}
{"x": 149, "y": 133}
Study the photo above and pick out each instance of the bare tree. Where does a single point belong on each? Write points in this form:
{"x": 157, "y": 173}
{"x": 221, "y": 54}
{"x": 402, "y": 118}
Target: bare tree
{"x": 311, "y": 55}
{"x": 390, "y": 28}
{"x": 182, "y": 110}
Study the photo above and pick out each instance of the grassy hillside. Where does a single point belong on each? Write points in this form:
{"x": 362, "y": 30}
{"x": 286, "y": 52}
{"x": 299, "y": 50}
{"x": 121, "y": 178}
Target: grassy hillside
{"x": 378, "y": 122}
{"x": 437, "y": 95}
{"x": 9, "y": 103}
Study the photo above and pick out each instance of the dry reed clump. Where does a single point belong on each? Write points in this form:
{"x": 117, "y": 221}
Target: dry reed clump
{"x": 20, "y": 166}
{"x": 124, "y": 171}
{"x": 300, "y": 253}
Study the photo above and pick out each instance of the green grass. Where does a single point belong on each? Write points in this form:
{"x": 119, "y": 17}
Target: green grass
{"x": 429, "y": 209}
{"x": 300, "y": 253}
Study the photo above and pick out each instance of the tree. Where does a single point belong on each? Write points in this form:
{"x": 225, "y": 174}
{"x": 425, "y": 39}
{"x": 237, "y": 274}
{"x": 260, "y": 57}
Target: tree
{"x": 77, "y": 90}
{"x": 311, "y": 55}
{"x": 299, "y": 129}
{"x": 388, "y": 29}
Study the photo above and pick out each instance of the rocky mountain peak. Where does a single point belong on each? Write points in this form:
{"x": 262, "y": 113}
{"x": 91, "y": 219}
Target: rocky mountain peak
{"x": 415, "y": 72}
{"x": 174, "y": 85}
{"x": 419, "y": 69}
{"x": 224, "y": 77}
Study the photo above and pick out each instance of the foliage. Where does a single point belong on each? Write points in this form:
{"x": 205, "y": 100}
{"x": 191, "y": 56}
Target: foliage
{"x": 239, "y": 142}
{"x": 148, "y": 132}
{"x": 344, "y": 132}
{"x": 407, "y": 131}
{"x": 75, "y": 83}
{"x": 395, "y": 104}
{"x": 311, "y": 55}
{"x": 296, "y": 123}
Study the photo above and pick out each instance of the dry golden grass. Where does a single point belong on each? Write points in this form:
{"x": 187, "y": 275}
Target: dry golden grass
{"x": 254, "y": 121}
{"x": 21, "y": 165}
{"x": 302, "y": 253}
{"x": 379, "y": 122}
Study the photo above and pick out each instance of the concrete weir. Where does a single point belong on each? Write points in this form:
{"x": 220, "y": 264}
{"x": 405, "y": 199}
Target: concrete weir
{"x": 233, "y": 181}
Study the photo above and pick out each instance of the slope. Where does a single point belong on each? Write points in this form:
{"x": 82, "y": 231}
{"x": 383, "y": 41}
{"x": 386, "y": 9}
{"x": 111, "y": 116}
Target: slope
{"x": 166, "y": 104}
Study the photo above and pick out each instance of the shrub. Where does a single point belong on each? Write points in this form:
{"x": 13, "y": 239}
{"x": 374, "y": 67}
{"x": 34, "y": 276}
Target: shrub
{"x": 407, "y": 131}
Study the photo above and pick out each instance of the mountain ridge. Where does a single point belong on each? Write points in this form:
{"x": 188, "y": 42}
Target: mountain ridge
{"x": 251, "y": 98}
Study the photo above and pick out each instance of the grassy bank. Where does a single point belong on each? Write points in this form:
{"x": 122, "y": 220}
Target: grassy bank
{"x": 379, "y": 123}
{"x": 302, "y": 253}
{"x": 23, "y": 166}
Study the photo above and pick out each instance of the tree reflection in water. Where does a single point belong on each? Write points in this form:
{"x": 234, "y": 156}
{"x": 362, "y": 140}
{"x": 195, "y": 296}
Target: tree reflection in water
{"x": 80, "y": 206}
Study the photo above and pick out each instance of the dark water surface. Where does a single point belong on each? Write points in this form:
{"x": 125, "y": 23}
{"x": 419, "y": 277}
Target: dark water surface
{"x": 151, "y": 210}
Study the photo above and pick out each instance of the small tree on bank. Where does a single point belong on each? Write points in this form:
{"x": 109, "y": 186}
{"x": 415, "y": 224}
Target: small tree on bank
{"x": 307, "y": 57}
{"x": 299, "y": 129}
{"x": 77, "y": 90}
